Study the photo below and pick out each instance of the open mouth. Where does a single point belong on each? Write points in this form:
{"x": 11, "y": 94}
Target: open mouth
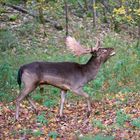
{"x": 113, "y": 53}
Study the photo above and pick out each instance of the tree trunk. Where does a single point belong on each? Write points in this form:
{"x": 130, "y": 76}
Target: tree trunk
{"x": 40, "y": 15}
{"x": 86, "y": 5}
{"x": 66, "y": 16}
{"x": 94, "y": 13}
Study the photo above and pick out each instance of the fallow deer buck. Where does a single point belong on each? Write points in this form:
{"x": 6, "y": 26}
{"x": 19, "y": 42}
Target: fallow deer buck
{"x": 64, "y": 75}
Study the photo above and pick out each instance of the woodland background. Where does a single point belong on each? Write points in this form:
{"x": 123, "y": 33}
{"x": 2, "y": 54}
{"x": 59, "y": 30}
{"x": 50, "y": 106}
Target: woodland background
{"x": 32, "y": 30}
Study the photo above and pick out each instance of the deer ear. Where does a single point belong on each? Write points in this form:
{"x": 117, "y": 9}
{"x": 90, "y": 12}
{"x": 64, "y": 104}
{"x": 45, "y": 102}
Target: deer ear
{"x": 94, "y": 53}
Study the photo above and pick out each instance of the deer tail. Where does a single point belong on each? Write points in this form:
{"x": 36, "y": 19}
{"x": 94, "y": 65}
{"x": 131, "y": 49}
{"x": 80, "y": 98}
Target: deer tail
{"x": 20, "y": 71}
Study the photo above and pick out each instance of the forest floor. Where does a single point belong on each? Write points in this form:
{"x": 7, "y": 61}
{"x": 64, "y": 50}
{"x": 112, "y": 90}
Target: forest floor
{"x": 117, "y": 117}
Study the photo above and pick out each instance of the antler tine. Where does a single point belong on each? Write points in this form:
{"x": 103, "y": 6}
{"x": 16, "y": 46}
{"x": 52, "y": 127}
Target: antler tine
{"x": 97, "y": 45}
{"x": 75, "y": 47}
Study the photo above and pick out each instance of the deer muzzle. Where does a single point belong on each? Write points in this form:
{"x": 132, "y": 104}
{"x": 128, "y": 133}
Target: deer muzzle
{"x": 112, "y": 53}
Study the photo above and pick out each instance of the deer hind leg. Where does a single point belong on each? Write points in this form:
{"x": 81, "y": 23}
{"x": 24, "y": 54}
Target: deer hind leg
{"x": 82, "y": 93}
{"x": 63, "y": 96}
{"x": 27, "y": 89}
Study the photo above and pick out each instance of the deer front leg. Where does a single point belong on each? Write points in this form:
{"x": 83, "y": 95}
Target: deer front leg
{"x": 63, "y": 96}
{"x": 82, "y": 93}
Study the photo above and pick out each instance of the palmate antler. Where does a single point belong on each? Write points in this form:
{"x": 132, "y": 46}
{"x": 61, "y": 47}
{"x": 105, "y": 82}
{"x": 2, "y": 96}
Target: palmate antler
{"x": 77, "y": 49}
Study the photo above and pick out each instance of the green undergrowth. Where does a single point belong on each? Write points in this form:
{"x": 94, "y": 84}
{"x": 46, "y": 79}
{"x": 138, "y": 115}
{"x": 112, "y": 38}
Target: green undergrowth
{"x": 119, "y": 74}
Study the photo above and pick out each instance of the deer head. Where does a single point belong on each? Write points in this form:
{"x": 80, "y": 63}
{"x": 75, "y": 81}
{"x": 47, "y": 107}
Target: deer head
{"x": 77, "y": 49}
{"x": 103, "y": 54}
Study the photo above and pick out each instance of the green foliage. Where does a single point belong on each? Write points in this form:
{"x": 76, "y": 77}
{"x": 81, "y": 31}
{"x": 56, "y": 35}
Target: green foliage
{"x": 25, "y": 131}
{"x": 121, "y": 118}
{"x": 99, "y": 81}
{"x": 53, "y": 135}
{"x": 2, "y": 10}
{"x": 98, "y": 124}
{"x": 87, "y": 138}
{"x": 28, "y": 29}
{"x": 50, "y": 103}
{"x": 101, "y": 137}
{"x": 42, "y": 119}
{"x": 120, "y": 73}
{"x": 13, "y": 17}
{"x": 51, "y": 96}
{"x": 37, "y": 97}
{"x": 6, "y": 78}
{"x": 7, "y": 40}
{"x": 11, "y": 1}
{"x": 121, "y": 69}
{"x": 5, "y": 97}
{"x": 14, "y": 1}
{"x": 136, "y": 122}
{"x": 37, "y": 133}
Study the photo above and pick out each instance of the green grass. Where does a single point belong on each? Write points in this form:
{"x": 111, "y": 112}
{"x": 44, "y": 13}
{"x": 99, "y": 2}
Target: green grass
{"x": 119, "y": 74}
{"x": 53, "y": 135}
{"x": 121, "y": 118}
{"x": 42, "y": 119}
{"x": 8, "y": 39}
{"x": 98, "y": 124}
{"x": 136, "y": 122}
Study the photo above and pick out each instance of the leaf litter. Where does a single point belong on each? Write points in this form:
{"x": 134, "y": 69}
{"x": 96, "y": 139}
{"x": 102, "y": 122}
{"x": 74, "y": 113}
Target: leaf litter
{"x": 104, "y": 119}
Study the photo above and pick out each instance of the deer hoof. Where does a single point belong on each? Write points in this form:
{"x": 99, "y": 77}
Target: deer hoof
{"x": 61, "y": 118}
{"x": 16, "y": 119}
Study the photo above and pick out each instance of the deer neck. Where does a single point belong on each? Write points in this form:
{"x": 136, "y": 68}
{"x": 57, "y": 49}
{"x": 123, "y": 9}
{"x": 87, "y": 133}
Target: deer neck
{"x": 91, "y": 68}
